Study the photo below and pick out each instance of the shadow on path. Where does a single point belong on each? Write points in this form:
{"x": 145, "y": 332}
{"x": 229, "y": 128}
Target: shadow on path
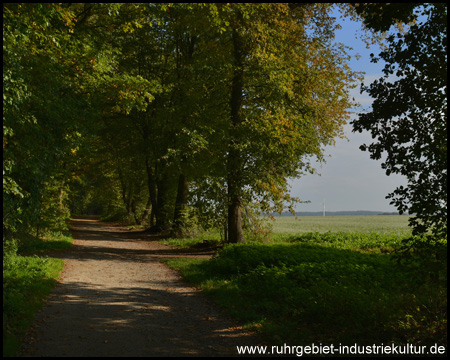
{"x": 116, "y": 299}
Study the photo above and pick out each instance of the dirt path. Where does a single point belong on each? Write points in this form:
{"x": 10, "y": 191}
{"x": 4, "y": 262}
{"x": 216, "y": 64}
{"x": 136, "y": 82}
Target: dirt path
{"x": 115, "y": 298}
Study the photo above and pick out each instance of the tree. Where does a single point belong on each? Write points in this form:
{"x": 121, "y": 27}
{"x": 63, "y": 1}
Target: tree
{"x": 162, "y": 58}
{"x": 223, "y": 101}
{"x": 43, "y": 75}
{"x": 287, "y": 90}
{"x": 409, "y": 118}
{"x": 50, "y": 110}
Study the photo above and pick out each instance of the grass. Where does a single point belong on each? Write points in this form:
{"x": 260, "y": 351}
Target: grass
{"x": 328, "y": 287}
{"x": 381, "y": 224}
{"x": 211, "y": 236}
{"x": 51, "y": 242}
{"x": 315, "y": 283}
{"x": 28, "y": 278}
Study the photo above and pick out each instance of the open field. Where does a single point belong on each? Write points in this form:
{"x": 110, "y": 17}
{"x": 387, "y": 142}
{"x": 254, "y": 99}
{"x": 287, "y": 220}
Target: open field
{"x": 366, "y": 224}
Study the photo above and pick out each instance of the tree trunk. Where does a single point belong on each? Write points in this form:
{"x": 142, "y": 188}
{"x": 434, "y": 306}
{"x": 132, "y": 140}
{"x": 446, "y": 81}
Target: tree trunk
{"x": 161, "y": 211}
{"x": 235, "y": 233}
{"x": 146, "y": 213}
{"x": 152, "y": 192}
{"x": 181, "y": 201}
{"x": 234, "y": 161}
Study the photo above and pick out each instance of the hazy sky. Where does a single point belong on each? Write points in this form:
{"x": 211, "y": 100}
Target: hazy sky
{"x": 350, "y": 180}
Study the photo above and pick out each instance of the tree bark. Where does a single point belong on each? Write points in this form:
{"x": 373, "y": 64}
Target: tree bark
{"x": 162, "y": 211}
{"x": 146, "y": 213}
{"x": 181, "y": 201}
{"x": 152, "y": 192}
{"x": 234, "y": 161}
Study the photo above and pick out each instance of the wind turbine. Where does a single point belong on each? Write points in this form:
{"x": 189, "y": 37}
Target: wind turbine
{"x": 323, "y": 207}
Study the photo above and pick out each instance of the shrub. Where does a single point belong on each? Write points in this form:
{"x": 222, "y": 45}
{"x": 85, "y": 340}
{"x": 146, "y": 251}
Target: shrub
{"x": 315, "y": 288}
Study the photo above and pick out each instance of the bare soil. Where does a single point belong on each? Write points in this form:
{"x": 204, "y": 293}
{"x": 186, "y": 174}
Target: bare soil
{"x": 115, "y": 298}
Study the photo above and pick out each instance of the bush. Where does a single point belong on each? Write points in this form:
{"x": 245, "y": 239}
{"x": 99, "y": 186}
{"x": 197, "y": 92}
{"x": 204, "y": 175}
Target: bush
{"x": 425, "y": 253}
{"x": 189, "y": 224}
{"x": 316, "y": 288}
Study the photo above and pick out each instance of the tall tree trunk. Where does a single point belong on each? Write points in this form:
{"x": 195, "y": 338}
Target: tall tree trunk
{"x": 152, "y": 192}
{"x": 61, "y": 193}
{"x": 234, "y": 161}
{"x": 161, "y": 212}
{"x": 146, "y": 213}
{"x": 126, "y": 191}
{"x": 129, "y": 203}
{"x": 181, "y": 201}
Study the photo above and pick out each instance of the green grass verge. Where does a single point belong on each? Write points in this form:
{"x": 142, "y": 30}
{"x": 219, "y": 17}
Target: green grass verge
{"x": 27, "y": 282}
{"x": 212, "y": 236}
{"x": 325, "y": 288}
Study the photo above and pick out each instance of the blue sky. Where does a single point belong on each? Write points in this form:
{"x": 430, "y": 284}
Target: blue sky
{"x": 350, "y": 180}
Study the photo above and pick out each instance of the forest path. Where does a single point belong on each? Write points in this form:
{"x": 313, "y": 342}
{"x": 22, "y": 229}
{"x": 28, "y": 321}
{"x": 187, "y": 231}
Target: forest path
{"x": 115, "y": 298}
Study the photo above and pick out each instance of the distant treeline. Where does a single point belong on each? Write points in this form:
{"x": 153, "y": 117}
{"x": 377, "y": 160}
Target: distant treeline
{"x": 338, "y": 213}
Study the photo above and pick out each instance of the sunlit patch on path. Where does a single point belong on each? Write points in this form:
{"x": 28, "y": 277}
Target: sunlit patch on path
{"x": 115, "y": 298}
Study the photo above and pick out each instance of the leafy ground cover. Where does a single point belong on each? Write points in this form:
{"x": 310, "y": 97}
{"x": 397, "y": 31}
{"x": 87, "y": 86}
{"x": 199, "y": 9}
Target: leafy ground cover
{"x": 27, "y": 281}
{"x": 334, "y": 287}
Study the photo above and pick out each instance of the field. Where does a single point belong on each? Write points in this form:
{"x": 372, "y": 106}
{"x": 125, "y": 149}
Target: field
{"x": 329, "y": 280}
{"x": 371, "y": 223}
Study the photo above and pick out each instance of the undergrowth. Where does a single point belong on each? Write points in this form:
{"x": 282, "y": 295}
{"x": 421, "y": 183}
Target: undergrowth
{"x": 330, "y": 288}
{"x": 28, "y": 278}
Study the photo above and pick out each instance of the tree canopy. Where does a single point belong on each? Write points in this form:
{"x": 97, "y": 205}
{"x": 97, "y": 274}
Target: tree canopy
{"x": 409, "y": 118}
{"x": 155, "y": 112}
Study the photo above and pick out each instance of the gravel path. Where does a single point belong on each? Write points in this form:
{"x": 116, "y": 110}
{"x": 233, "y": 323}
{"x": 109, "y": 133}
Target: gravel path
{"x": 115, "y": 298}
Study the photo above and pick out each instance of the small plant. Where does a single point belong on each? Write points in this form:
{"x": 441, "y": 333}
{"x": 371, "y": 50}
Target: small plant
{"x": 257, "y": 228}
{"x": 188, "y": 225}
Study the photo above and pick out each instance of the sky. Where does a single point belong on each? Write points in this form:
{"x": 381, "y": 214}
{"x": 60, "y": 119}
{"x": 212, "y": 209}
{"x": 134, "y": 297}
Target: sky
{"x": 350, "y": 180}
